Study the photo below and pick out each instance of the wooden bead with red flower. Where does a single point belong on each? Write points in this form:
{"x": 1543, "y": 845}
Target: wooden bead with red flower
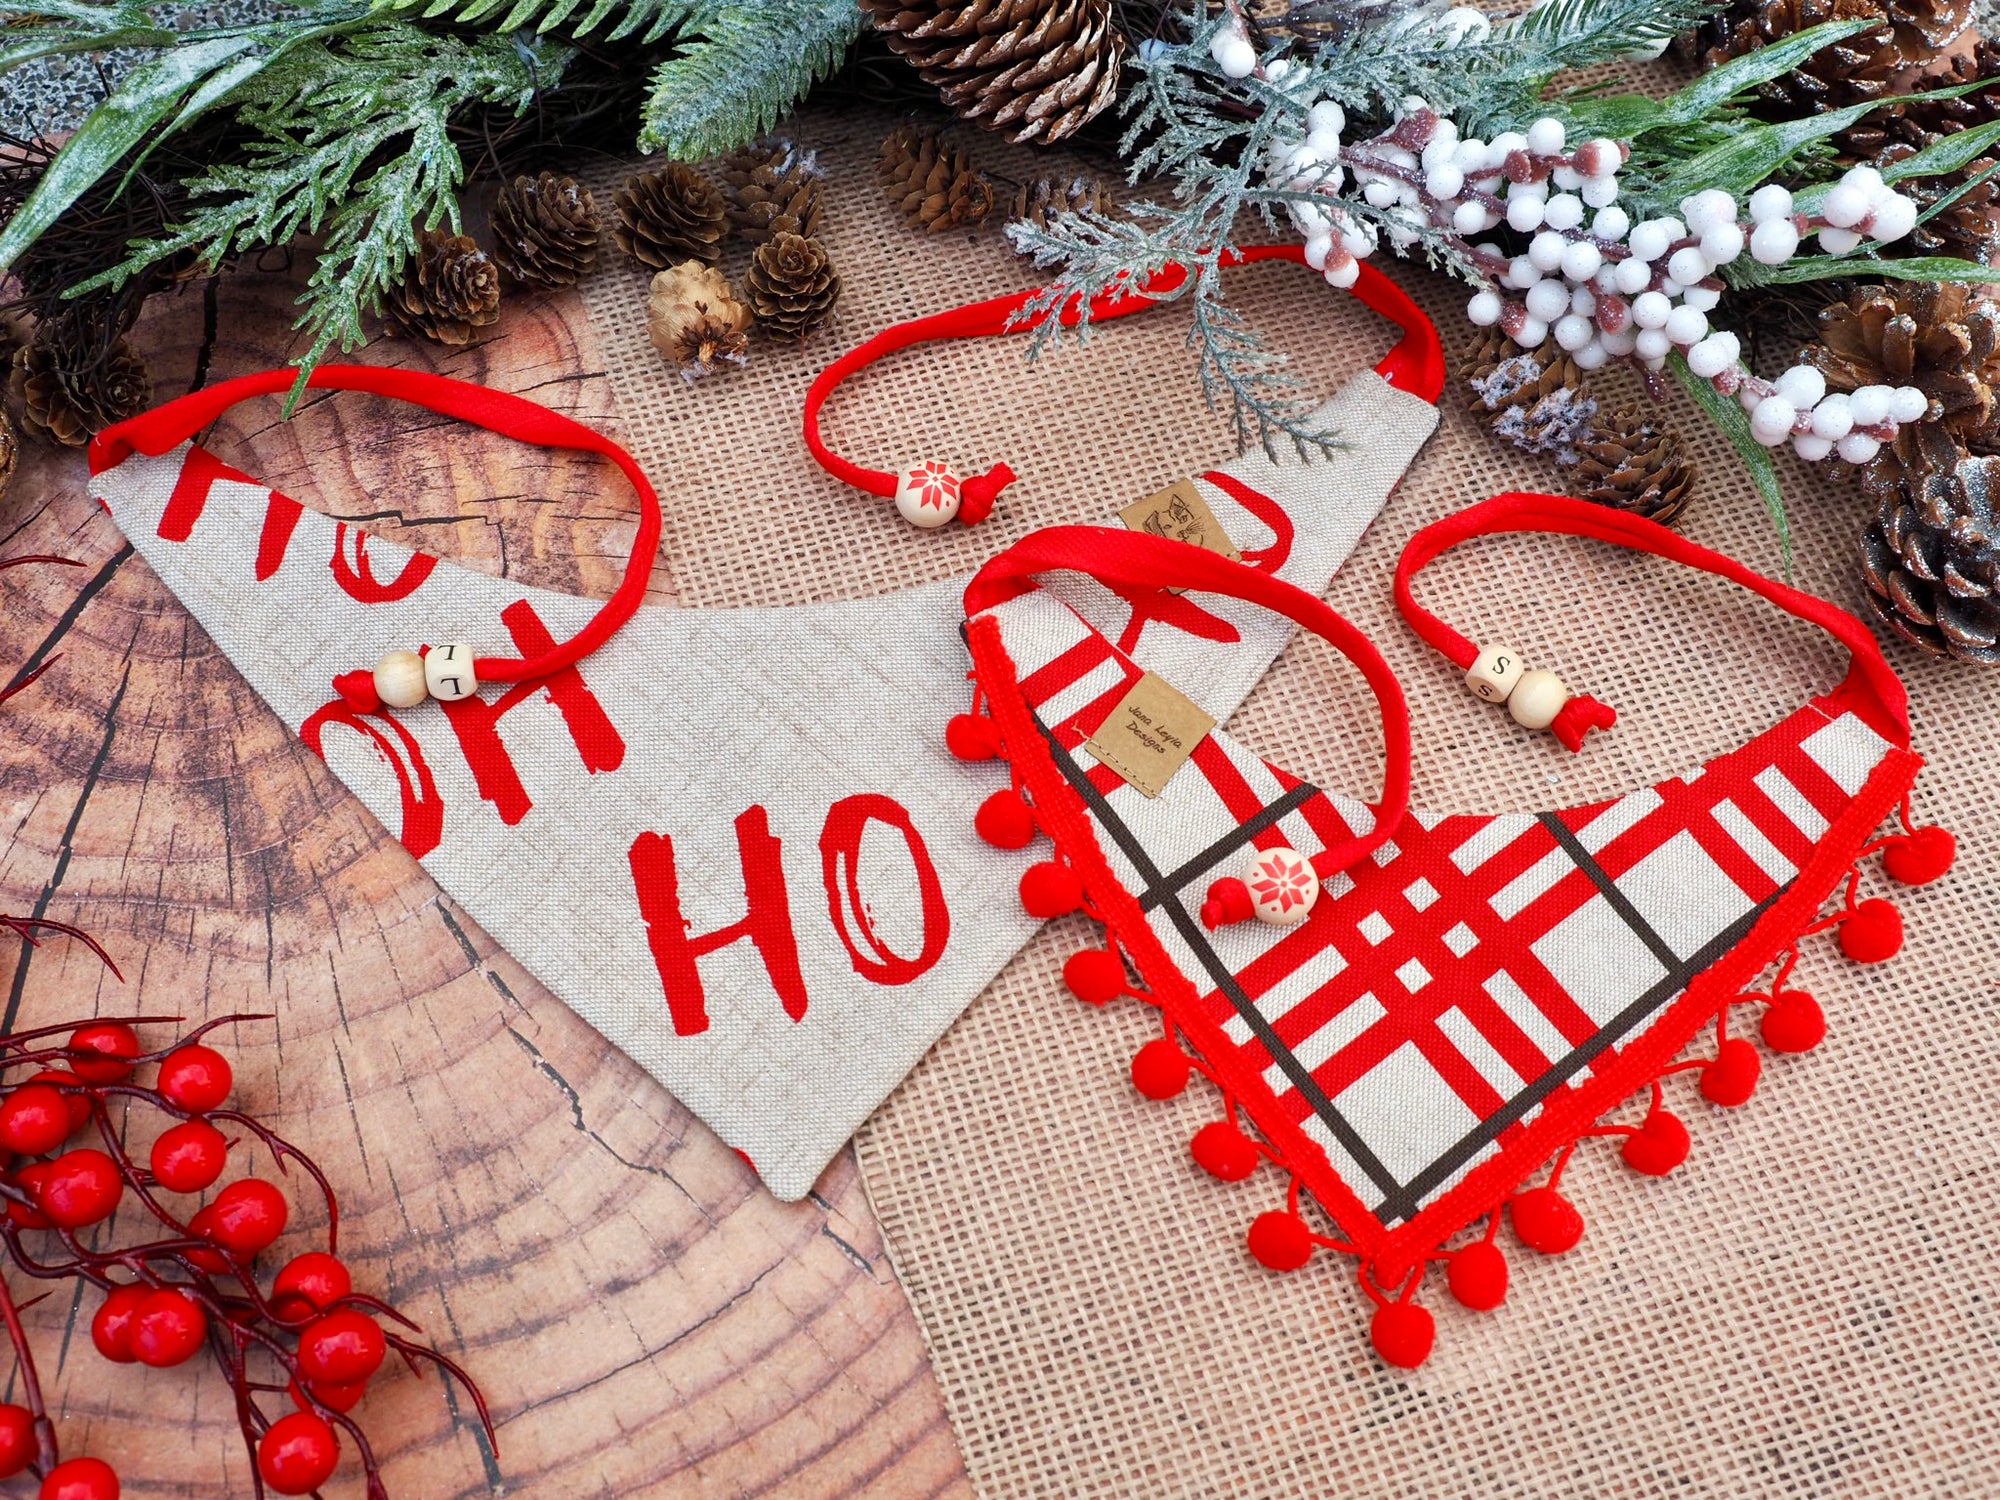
{"x": 1282, "y": 886}
{"x": 927, "y": 493}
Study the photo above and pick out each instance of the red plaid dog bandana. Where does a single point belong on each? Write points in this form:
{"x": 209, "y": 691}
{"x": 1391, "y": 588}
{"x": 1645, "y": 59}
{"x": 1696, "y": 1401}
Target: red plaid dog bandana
{"x": 1468, "y": 996}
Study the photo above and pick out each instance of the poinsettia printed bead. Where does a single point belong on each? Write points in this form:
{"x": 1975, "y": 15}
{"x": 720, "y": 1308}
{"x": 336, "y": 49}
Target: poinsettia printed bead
{"x": 927, "y": 493}
{"x": 1282, "y": 886}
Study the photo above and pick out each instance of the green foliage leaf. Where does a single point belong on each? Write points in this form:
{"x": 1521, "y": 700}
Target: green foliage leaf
{"x": 641, "y": 20}
{"x": 1948, "y": 154}
{"x": 1862, "y": 266}
{"x": 739, "y": 69}
{"x": 1720, "y": 86}
{"x": 1727, "y": 415}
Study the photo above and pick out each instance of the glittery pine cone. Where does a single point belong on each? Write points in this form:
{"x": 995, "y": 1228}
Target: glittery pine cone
{"x": 933, "y": 184}
{"x": 773, "y": 189}
{"x": 78, "y": 376}
{"x": 450, "y": 288}
{"x": 790, "y": 286}
{"x": 669, "y": 216}
{"x": 694, "y": 319}
{"x": 545, "y": 230}
{"x": 1931, "y": 555}
{"x": 1037, "y": 202}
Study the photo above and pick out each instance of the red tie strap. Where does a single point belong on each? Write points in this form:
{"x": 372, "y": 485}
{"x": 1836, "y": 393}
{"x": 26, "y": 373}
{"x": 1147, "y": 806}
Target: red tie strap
{"x": 1137, "y": 559}
{"x": 927, "y": 493}
{"x": 1539, "y": 699}
{"x": 404, "y": 678}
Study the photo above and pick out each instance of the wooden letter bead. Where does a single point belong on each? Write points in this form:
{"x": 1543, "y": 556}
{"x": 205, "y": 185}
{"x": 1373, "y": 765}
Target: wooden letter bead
{"x": 1494, "y": 675}
{"x": 1537, "y": 698}
{"x": 1282, "y": 886}
{"x": 927, "y": 493}
{"x": 399, "y": 679}
{"x": 448, "y": 672}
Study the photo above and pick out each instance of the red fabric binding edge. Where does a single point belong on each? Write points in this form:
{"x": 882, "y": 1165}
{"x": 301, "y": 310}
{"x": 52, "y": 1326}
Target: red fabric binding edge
{"x": 1137, "y": 558}
{"x": 165, "y": 428}
{"x": 1415, "y": 365}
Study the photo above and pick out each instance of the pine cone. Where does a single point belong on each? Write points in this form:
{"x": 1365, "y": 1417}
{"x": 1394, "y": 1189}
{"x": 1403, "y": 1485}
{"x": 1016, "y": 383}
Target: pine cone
{"x": 790, "y": 286}
{"x": 1931, "y": 556}
{"x": 1857, "y": 68}
{"x": 1039, "y": 201}
{"x": 1937, "y": 336}
{"x": 1632, "y": 465}
{"x": 1039, "y": 69}
{"x": 669, "y": 216}
{"x": 773, "y": 189}
{"x": 10, "y": 451}
{"x": 694, "y": 320}
{"x": 449, "y": 288}
{"x": 545, "y": 230}
{"x": 931, "y": 183}
{"x": 77, "y": 377}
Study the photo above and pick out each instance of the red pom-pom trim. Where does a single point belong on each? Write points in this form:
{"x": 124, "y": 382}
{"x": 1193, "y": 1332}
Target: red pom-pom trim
{"x": 1732, "y": 1077}
{"x": 1477, "y": 1276}
{"x": 1578, "y": 717}
{"x": 977, "y": 493}
{"x": 1793, "y": 1022}
{"x": 1160, "y": 1069}
{"x": 1094, "y": 975}
{"x": 1873, "y": 932}
{"x": 357, "y": 691}
{"x": 1403, "y": 1334}
{"x": 1223, "y": 1151}
{"x": 1658, "y": 1146}
{"x": 1051, "y": 890}
{"x": 1228, "y": 901}
{"x": 1004, "y": 821}
{"x": 1546, "y": 1221}
{"x": 1921, "y": 856}
{"x": 1280, "y": 1241}
{"x": 971, "y": 737}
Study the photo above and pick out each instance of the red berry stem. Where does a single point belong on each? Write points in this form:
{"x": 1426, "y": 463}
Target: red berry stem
{"x": 47, "y": 1455}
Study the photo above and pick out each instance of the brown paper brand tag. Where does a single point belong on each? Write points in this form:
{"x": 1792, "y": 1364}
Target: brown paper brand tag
{"x": 1154, "y": 728}
{"x": 1179, "y": 512}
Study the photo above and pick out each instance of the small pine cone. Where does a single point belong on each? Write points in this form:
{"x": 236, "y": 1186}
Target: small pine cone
{"x": 773, "y": 190}
{"x": 1039, "y": 201}
{"x": 1631, "y": 465}
{"x": 694, "y": 320}
{"x": 10, "y": 451}
{"x": 1036, "y": 69}
{"x": 545, "y": 230}
{"x": 1531, "y": 398}
{"x": 77, "y": 377}
{"x": 669, "y": 216}
{"x": 449, "y": 288}
{"x": 790, "y": 286}
{"x": 933, "y": 184}
{"x": 1853, "y": 70}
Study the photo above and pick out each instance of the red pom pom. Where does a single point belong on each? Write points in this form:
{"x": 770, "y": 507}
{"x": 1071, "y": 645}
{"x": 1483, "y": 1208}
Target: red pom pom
{"x": 1094, "y": 975}
{"x": 1793, "y": 1022}
{"x": 1228, "y": 901}
{"x": 1224, "y": 1151}
{"x": 357, "y": 691}
{"x": 1873, "y": 932}
{"x": 1546, "y": 1221}
{"x": 971, "y": 737}
{"x": 977, "y": 492}
{"x": 1732, "y": 1078}
{"x": 1477, "y": 1276}
{"x": 1658, "y": 1146}
{"x": 1004, "y": 821}
{"x": 1922, "y": 856}
{"x": 1160, "y": 1069}
{"x": 1051, "y": 890}
{"x": 1403, "y": 1334}
{"x": 1280, "y": 1241}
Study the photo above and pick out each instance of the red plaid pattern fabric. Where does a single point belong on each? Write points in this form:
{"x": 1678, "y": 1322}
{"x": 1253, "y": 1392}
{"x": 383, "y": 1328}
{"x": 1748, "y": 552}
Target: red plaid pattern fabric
{"x": 1447, "y": 991}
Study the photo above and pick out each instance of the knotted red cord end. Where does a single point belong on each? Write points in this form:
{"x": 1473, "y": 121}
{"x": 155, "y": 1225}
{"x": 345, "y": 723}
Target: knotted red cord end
{"x": 977, "y": 493}
{"x": 1578, "y": 717}
{"x": 1228, "y": 901}
{"x": 357, "y": 691}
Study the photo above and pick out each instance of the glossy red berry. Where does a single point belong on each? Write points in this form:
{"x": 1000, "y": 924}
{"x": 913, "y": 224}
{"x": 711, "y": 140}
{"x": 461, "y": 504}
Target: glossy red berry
{"x": 342, "y": 1347}
{"x": 82, "y": 1187}
{"x": 196, "y": 1078}
{"x": 1477, "y": 1276}
{"x": 189, "y": 1156}
{"x": 167, "y": 1328}
{"x": 202, "y": 1227}
{"x": 17, "y": 1439}
{"x": 246, "y": 1216}
{"x": 1280, "y": 1241}
{"x": 1546, "y": 1221}
{"x": 298, "y": 1454}
{"x": 79, "y": 1103}
{"x": 341, "y": 1398}
{"x": 1403, "y": 1333}
{"x": 308, "y": 1284}
{"x": 81, "y": 1479}
{"x": 1224, "y": 1151}
{"x": 111, "y": 1329}
{"x": 34, "y": 1120}
{"x": 29, "y": 1180}
{"x": 102, "y": 1051}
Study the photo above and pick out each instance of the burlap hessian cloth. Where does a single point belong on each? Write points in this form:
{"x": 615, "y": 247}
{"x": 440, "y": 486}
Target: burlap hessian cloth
{"x": 1808, "y": 1307}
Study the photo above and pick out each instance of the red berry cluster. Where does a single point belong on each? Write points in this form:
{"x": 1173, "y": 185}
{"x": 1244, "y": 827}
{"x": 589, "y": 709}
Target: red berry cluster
{"x": 194, "y": 1284}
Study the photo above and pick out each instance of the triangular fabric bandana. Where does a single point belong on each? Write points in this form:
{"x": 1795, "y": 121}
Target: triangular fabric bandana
{"x": 732, "y": 841}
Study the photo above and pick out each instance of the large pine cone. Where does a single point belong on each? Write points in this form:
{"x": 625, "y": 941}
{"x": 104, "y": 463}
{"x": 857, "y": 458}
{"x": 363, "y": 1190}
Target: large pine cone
{"x": 1857, "y": 68}
{"x": 449, "y": 288}
{"x": 773, "y": 189}
{"x": 1970, "y": 227}
{"x": 931, "y": 183}
{"x": 790, "y": 286}
{"x": 669, "y": 216}
{"x": 1937, "y": 336}
{"x": 545, "y": 230}
{"x": 1931, "y": 556}
{"x": 78, "y": 376}
{"x": 1038, "y": 69}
